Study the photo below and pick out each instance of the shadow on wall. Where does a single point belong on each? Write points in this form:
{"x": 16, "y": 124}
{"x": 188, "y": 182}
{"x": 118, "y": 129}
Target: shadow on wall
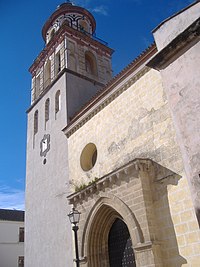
{"x": 164, "y": 180}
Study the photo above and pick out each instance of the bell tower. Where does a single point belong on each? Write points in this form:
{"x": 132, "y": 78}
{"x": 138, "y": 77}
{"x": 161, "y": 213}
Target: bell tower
{"x": 71, "y": 68}
{"x": 71, "y": 47}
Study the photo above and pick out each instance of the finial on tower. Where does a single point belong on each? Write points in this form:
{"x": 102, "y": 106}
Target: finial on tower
{"x": 67, "y": 2}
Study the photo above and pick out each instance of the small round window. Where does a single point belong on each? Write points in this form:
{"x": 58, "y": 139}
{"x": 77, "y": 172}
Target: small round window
{"x": 88, "y": 157}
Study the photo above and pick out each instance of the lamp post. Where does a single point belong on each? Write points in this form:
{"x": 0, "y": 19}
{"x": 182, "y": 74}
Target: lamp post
{"x": 74, "y": 217}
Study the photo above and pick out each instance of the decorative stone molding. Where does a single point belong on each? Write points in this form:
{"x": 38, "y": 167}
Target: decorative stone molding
{"x": 131, "y": 170}
{"x": 143, "y": 246}
{"x": 108, "y": 180}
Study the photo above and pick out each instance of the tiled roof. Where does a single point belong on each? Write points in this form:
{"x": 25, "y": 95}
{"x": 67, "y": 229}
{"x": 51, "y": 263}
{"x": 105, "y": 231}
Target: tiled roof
{"x": 12, "y": 215}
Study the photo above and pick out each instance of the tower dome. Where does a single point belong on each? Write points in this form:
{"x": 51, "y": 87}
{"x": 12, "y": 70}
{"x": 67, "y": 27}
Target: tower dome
{"x": 71, "y": 15}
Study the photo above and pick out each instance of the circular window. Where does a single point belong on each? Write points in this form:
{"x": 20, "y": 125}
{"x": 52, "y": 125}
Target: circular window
{"x": 88, "y": 157}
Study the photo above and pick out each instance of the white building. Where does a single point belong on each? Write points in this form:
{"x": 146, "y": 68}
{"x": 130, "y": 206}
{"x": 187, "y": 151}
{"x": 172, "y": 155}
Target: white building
{"x": 11, "y": 238}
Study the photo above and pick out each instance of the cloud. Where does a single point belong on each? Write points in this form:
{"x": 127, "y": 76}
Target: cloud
{"x": 82, "y": 3}
{"x": 100, "y": 10}
{"x": 11, "y": 198}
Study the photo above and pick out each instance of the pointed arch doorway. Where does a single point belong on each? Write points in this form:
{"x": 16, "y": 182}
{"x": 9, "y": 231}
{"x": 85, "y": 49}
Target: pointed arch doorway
{"x": 107, "y": 241}
{"x": 120, "y": 249}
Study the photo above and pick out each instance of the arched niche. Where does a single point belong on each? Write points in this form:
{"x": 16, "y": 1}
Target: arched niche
{"x": 57, "y": 102}
{"x": 47, "y": 73}
{"x": 35, "y": 130}
{"x": 47, "y": 110}
{"x": 90, "y": 64}
{"x": 72, "y": 62}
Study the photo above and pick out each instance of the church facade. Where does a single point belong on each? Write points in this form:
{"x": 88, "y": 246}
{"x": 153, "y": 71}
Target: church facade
{"x": 123, "y": 151}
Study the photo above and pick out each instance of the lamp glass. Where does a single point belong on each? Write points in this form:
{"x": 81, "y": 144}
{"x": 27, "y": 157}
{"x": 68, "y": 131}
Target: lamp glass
{"x": 74, "y": 216}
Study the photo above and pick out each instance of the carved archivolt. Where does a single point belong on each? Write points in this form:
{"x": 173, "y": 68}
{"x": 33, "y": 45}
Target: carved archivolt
{"x": 101, "y": 217}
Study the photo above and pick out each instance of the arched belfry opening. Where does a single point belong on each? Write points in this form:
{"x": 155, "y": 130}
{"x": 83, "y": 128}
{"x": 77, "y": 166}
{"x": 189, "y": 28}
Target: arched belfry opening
{"x": 107, "y": 229}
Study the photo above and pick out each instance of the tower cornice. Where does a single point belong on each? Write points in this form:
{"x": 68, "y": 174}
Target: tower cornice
{"x": 68, "y": 31}
{"x": 65, "y": 70}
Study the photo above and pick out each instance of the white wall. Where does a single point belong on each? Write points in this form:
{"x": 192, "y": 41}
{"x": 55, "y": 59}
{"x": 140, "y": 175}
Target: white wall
{"x": 10, "y": 247}
{"x": 48, "y": 230}
{"x": 170, "y": 29}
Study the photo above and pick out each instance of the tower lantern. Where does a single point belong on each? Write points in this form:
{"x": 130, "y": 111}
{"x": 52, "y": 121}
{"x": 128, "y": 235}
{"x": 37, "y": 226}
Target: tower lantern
{"x": 75, "y": 17}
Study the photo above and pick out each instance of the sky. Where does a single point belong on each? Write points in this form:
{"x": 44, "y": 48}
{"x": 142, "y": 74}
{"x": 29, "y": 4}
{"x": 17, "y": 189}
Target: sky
{"x": 125, "y": 24}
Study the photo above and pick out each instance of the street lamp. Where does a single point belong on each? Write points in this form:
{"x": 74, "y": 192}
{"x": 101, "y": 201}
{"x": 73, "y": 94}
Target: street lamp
{"x": 74, "y": 217}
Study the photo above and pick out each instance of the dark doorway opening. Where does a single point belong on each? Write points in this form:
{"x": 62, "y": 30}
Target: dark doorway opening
{"x": 120, "y": 249}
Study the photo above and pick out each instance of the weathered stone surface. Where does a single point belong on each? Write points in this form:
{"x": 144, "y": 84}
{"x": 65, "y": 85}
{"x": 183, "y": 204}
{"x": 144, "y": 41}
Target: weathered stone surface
{"x": 138, "y": 124}
{"x": 180, "y": 73}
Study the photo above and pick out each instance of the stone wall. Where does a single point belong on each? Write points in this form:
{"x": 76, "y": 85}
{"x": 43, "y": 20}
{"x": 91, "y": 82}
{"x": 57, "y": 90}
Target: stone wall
{"x": 138, "y": 124}
{"x": 178, "y": 63}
